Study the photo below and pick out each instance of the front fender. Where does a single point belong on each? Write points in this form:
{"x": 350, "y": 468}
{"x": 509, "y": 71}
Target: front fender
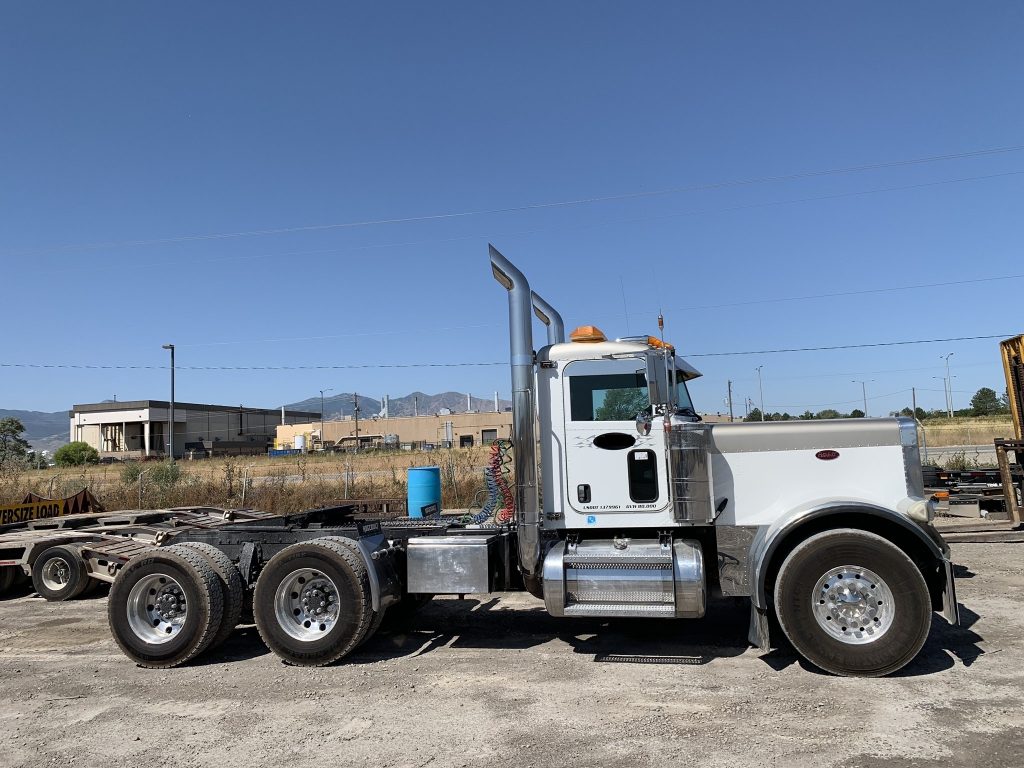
{"x": 770, "y": 538}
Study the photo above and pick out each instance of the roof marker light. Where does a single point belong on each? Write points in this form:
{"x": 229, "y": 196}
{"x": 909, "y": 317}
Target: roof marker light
{"x": 587, "y": 334}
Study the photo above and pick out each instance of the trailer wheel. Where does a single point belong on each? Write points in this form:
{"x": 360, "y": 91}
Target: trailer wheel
{"x": 312, "y": 603}
{"x": 232, "y": 587}
{"x": 60, "y": 574}
{"x": 165, "y": 607}
{"x": 853, "y": 604}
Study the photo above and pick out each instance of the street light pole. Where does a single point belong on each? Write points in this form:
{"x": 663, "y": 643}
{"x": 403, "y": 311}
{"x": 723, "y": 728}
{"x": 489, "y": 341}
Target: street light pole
{"x": 355, "y": 413}
{"x": 949, "y": 386}
{"x": 170, "y": 420}
{"x": 322, "y": 415}
{"x": 760, "y": 389}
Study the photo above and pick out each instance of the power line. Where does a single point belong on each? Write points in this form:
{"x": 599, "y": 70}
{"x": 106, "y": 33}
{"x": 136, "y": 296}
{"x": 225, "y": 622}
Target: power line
{"x": 844, "y": 402}
{"x": 849, "y": 346}
{"x": 370, "y": 366}
{"x": 526, "y": 207}
{"x": 85, "y": 366}
{"x": 863, "y": 292}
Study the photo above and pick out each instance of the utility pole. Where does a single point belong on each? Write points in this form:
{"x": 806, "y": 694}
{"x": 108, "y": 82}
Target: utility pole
{"x": 170, "y": 419}
{"x": 864, "y": 393}
{"x": 760, "y": 389}
{"x": 924, "y": 436}
{"x": 949, "y": 386}
{"x": 730, "y": 400}
{"x": 355, "y": 413}
{"x": 322, "y": 436}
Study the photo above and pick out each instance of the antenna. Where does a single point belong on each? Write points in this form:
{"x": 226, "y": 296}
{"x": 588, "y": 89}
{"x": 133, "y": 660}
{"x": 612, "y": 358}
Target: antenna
{"x": 661, "y": 324}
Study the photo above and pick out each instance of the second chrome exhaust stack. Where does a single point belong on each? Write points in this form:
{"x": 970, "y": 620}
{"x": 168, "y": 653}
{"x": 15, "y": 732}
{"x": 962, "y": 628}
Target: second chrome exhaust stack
{"x": 522, "y": 303}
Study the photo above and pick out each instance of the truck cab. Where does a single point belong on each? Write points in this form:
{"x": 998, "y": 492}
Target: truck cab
{"x": 645, "y": 510}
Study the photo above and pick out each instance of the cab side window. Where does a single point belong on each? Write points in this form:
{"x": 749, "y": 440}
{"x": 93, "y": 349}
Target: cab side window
{"x": 608, "y": 397}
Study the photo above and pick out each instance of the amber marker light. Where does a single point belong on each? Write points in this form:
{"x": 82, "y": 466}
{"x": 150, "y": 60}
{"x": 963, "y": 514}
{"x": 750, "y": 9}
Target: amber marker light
{"x": 587, "y": 334}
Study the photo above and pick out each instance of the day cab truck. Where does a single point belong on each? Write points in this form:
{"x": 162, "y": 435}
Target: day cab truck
{"x": 626, "y": 505}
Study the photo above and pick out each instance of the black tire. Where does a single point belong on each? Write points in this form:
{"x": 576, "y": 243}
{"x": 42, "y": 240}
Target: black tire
{"x": 349, "y": 576}
{"x": 378, "y": 616}
{"x": 7, "y": 577}
{"x": 204, "y": 606}
{"x": 906, "y": 622}
{"x": 232, "y": 587}
{"x": 60, "y": 574}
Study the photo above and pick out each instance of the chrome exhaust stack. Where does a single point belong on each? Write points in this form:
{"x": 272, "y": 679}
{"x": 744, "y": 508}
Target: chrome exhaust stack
{"x": 550, "y": 317}
{"x": 521, "y": 303}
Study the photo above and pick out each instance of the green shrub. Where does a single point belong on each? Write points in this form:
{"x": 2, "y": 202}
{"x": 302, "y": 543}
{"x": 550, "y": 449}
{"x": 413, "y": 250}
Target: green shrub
{"x": 130, "y": 473}
{"x": 76, "y": 454}
{"x": 166, "y": 474}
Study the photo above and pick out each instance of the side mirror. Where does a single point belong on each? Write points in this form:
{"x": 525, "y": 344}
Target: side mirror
{"x": 657, "y": 380}
{"x": 643, "y": 423}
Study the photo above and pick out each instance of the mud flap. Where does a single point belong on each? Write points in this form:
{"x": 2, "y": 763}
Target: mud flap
{"x": 759, "y": 634}
{"x": 950, "y": 607}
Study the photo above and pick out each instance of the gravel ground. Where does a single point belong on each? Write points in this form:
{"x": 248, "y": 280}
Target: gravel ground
{"x": 497, "y": 682}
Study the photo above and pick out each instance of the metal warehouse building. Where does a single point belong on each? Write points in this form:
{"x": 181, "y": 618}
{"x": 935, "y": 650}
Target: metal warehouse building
{"x": 139, "y": 428}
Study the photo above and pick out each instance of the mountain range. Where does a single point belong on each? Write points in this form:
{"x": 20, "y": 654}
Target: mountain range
{"x": 342, "y": 405}
{"x": 47, "y": 431}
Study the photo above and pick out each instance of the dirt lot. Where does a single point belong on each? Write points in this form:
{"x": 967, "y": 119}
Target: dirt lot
{"x": 496, "y": 682}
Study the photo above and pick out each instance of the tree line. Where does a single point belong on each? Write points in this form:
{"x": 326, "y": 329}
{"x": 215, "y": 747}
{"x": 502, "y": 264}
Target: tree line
{"x": 984, "y": 403}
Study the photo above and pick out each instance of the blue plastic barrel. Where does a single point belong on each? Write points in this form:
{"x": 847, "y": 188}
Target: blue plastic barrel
{"x": 424, "y": 491}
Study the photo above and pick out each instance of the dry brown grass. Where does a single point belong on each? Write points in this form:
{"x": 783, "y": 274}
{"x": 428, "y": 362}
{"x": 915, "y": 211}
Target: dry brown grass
{"x": 286, "y": 484}
{"x": 961, "y": 431}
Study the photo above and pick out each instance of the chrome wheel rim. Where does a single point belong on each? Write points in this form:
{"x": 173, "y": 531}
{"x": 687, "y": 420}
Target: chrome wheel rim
{"x": 56, "y": 574}
{"x": 306, "y": 604}
{"x": 853, "y": 605}
{"x": 157, "y": 609}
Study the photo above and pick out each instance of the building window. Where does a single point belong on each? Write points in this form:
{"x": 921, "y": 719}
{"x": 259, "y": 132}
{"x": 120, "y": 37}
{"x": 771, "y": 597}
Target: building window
{"x": 488, "y": 436}
{"x": 465, "y": 441}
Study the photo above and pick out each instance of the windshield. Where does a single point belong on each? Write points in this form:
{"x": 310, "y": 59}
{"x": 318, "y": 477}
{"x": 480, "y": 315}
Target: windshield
{"x": 683, "y": 402}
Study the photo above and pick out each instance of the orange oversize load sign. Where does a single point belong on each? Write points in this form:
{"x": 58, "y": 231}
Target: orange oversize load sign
{"x": 36, "y": 510}
{"x": 35, "y": 507}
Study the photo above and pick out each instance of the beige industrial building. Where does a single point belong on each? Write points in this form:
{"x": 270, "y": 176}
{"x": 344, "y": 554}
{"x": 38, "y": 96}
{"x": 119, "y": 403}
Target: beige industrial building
{"x": 454, "y": 429}
{"x": 138, "y": 428}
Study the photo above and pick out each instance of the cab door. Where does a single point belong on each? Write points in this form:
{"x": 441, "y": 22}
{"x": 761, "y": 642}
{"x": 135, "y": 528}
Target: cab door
{"x": 610, "y": 468}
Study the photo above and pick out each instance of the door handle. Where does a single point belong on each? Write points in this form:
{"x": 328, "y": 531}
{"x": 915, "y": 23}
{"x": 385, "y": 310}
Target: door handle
{"x": 583, "y": 493}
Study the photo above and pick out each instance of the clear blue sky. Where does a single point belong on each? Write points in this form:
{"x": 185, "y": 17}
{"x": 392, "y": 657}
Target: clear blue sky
{"x": 157, "y": 121}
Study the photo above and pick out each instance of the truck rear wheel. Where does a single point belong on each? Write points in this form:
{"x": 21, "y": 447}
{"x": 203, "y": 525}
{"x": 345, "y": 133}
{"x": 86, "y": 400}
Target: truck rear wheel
{"x": 60, "y": 574}
{"x": 853, "y": 604}
{"x": 312, "y": 602}
{"x": 165, "y": 607}
{"x": 378, "y": 616}
{"x": 232, "y": 588}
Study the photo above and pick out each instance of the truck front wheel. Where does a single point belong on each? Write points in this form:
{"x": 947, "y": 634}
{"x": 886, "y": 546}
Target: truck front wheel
{"x": 312, "y": 603}
{"x": 852, "y": 603}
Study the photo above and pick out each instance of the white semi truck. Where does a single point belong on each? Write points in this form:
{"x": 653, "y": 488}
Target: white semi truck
{"x": 633, "y": 508}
